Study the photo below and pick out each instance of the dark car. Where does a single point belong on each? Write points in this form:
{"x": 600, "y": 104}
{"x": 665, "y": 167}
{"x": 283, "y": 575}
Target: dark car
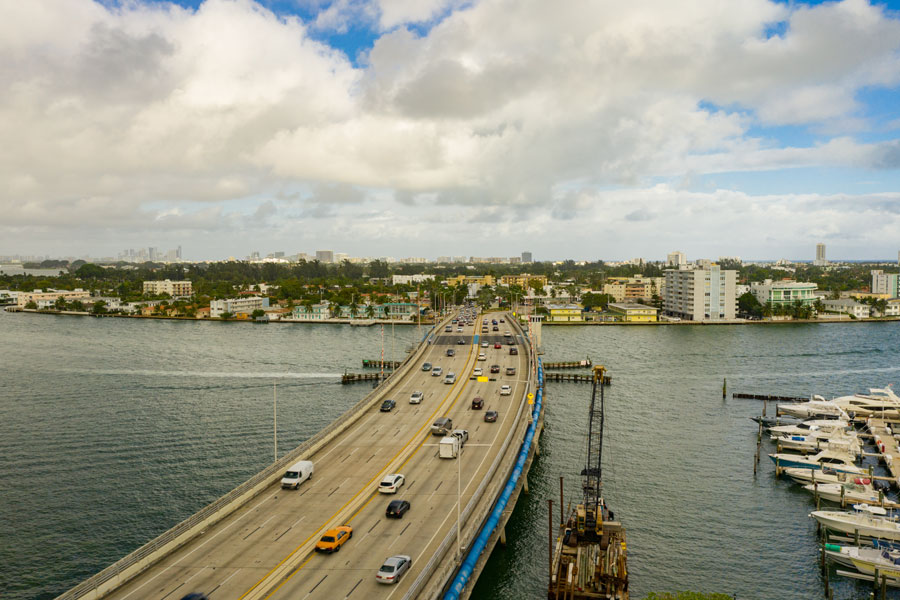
{"x": 388, "y": 405}
{"x": 510, "y": 370}
{"x": 195, "y": 596}
{"x": 513, "y": 350}
{"x": 477, "y": 403}
{"x": 495, "y": 328}
{"x": 495, "y": 368}
{"x": 451, "y": 352}
{"x": 511, "y": 342}
{"x": 490, "y": 416}
{"x": 396, "y": 509}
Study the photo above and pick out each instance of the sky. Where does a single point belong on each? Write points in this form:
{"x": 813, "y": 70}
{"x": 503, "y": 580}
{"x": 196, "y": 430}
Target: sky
{"x": 584, "y": 129}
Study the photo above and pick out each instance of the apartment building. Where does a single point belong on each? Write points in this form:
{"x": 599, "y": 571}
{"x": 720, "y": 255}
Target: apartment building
{"x": 237, "y": 306}
{"x": 701, "y": 294}
{"x": 167, "y": 286}
{"x": 524, "y": 280}
{"x": 784, "y": 293}
{"x": 634, "y": 289}
{"x": 48, "y": 299}
{"x": 886, "y": 284}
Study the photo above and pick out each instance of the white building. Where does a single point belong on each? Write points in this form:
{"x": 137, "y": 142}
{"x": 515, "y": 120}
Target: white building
{"x": 47, "y": 299}
{"x": 784, "y": 293}
{"x": 172, "y": 288}
{"x": 675, "y": 259}
{"x": 325, "y": 256}
{"x": 237, "y": 306}
{"x": 410, "y": 279}
{"x": 886, "y": 283}
{"x": 701, "y": 294}
{"x": 820, "y": 261}
{"x": 847, "y": 306}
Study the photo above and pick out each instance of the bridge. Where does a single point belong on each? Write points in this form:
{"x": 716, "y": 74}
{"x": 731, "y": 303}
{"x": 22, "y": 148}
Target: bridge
{"x": 258, "y": 541}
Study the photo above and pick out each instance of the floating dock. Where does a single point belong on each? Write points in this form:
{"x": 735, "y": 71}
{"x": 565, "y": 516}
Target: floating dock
{"x": 359, "y": 377}
{"x": 767, "y": 398}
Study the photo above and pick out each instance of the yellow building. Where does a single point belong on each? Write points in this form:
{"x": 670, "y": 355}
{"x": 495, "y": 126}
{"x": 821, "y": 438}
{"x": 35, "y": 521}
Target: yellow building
{"x": 564, "y": 313}
{"x": 469, "y": 279}
{"x": 633, "y": 313}
{"x": 524, "y": 280}
{"x": 625, "y": 289}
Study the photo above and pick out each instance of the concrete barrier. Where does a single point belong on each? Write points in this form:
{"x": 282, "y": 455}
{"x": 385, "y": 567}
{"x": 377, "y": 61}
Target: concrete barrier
{"x": 144, "y": 557}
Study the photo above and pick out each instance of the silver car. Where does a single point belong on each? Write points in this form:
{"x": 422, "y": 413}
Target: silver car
{"x": 393, "y": 569}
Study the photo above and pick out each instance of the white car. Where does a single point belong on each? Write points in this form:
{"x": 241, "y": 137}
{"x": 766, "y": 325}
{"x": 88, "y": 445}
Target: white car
{"x": 416, "y": 397}
{"x": 391, "y": 483}
{"x": 505, "y": 390}
{"x": 478, "y": 372}
{"x": 393, "y": 569}
{"x": 484, "y": 344}
{"x": 481, "y": 356}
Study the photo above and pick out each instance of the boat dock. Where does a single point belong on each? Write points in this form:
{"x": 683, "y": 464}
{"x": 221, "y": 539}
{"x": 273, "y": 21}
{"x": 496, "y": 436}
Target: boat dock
{"x": 572, "y": 364}
{"x": 575, "y": 377}
{"x": 376, "y": 364}
{"x": 887, "y": 445}
{"x": 359, "y": 377}
{"x": 767, "y": 397}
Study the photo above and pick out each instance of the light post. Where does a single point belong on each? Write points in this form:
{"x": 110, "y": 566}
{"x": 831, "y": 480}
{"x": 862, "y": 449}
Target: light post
{"x": 458, "y": 499}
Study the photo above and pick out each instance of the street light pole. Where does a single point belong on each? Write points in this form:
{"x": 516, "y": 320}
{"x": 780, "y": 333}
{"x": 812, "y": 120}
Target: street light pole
{"x": 458, "y": 499}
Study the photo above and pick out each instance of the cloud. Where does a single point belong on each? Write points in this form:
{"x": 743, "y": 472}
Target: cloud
{"x": 519, "y": 111}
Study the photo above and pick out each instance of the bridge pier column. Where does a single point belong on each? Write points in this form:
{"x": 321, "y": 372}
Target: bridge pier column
{"x": 503, "y": 536}
{"x": 525, "y": 483}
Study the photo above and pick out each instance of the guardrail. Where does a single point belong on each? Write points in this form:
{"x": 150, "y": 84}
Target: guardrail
{"x": 136, "y": 562}
{"x": 441, "y": 552}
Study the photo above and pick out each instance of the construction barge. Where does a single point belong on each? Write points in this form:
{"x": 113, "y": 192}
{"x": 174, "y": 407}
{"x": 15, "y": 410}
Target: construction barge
{"x": 588, "y": 558}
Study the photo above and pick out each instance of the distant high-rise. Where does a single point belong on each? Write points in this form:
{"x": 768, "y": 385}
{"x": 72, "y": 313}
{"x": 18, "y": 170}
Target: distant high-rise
{"x": 526, "y": 257}
{"x": 325, "y": 256}
{"x": 675, "y": 259}
{"x": 820, "y": 261}
{"x": 178, "y": 253}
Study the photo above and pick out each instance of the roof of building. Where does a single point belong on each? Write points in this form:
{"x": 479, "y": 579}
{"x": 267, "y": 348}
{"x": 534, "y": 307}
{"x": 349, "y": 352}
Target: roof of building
{"x": 630, "y": 306}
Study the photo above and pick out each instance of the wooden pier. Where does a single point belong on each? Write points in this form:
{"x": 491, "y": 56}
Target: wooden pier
{"x": 376, "y": 364}
{"x": 574, "y": 377}
{"x": 358, "y": 377}
{"x": 572, "y": 364}
{"x": 767, "y": 398}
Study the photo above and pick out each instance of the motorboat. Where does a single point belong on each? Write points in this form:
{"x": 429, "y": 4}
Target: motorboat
{"x": 868, "y": 560}
{"x": 868, "y": 521}
{"x": 817, "y": 440}
{"x": 804, "y": 427}
{"x": 834, "y": 459}
{"x": 824, "y": 475}
{"x": 844, "y": 493}
{"x": 815, "y": 409}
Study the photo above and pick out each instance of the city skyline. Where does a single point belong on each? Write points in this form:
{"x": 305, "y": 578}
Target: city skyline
{"x": 402, "y": 128}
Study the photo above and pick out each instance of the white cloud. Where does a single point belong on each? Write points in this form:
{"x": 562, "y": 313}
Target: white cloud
{"x": 109, "y": 117}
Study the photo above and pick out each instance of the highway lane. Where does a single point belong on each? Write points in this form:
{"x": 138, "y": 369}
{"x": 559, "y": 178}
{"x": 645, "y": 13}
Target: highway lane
{"x": 231, "y": 557}
{"x": 431, "y": 490}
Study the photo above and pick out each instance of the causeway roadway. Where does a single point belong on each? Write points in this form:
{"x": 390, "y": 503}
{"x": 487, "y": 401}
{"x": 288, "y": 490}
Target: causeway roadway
{"x": 265, "y": 548}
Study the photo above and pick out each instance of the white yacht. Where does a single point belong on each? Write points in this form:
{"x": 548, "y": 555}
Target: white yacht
{"x": 869, "y": 521}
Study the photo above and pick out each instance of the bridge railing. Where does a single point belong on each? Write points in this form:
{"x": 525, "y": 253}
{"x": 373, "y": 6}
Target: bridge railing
{"x": 440, "y": 554}
{"x": 134, "y": 563}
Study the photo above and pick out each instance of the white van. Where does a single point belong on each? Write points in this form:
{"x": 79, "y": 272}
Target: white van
{"x": 297, "y": 474}
{"x": 449, "y": 447}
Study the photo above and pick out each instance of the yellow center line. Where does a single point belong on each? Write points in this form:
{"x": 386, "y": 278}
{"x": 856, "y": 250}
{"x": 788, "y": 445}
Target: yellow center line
{"x": 355, "y": 496}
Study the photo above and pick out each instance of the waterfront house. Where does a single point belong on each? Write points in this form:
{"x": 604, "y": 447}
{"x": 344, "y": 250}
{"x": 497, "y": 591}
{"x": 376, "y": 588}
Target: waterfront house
{"x": 564, "y": 313}
{"x": 784, "y": 293}
{"x": 633, "y": 313}
{"x": 847, "y": 306}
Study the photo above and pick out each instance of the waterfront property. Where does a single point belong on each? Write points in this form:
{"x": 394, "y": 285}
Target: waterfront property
{"x": 564, "y": 313}
{"x": 785, "y": 293}
{"x": 48, "y": 299}
{"x": 848, "y": 306}
{"x": 886, "y": 284}
{"x": 398, "y": 311}
{"x": 633, "y": 313}
{"x": 706, "y": 294}
{"x": 167, "y": 286}
{"x": 631, "y": 289}
{"x": 237, "y": 306}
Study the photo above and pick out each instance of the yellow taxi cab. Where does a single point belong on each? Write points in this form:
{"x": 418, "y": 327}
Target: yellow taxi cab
{"x": 333, "y": 539}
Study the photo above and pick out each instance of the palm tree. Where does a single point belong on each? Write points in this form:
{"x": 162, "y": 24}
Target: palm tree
{"x": 354, "y": 309}
{"x": 370, "y": 311}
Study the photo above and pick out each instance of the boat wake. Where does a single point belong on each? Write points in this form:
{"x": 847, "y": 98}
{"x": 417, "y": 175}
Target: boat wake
{"x": 207, "y": 374}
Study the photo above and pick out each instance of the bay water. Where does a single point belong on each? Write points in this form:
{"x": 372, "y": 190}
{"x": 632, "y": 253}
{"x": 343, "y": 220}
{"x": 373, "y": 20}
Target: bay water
{"x": 113, "y": 430}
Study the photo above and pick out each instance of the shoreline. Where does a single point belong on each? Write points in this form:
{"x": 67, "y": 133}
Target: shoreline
{"x": 373, "y": 322}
